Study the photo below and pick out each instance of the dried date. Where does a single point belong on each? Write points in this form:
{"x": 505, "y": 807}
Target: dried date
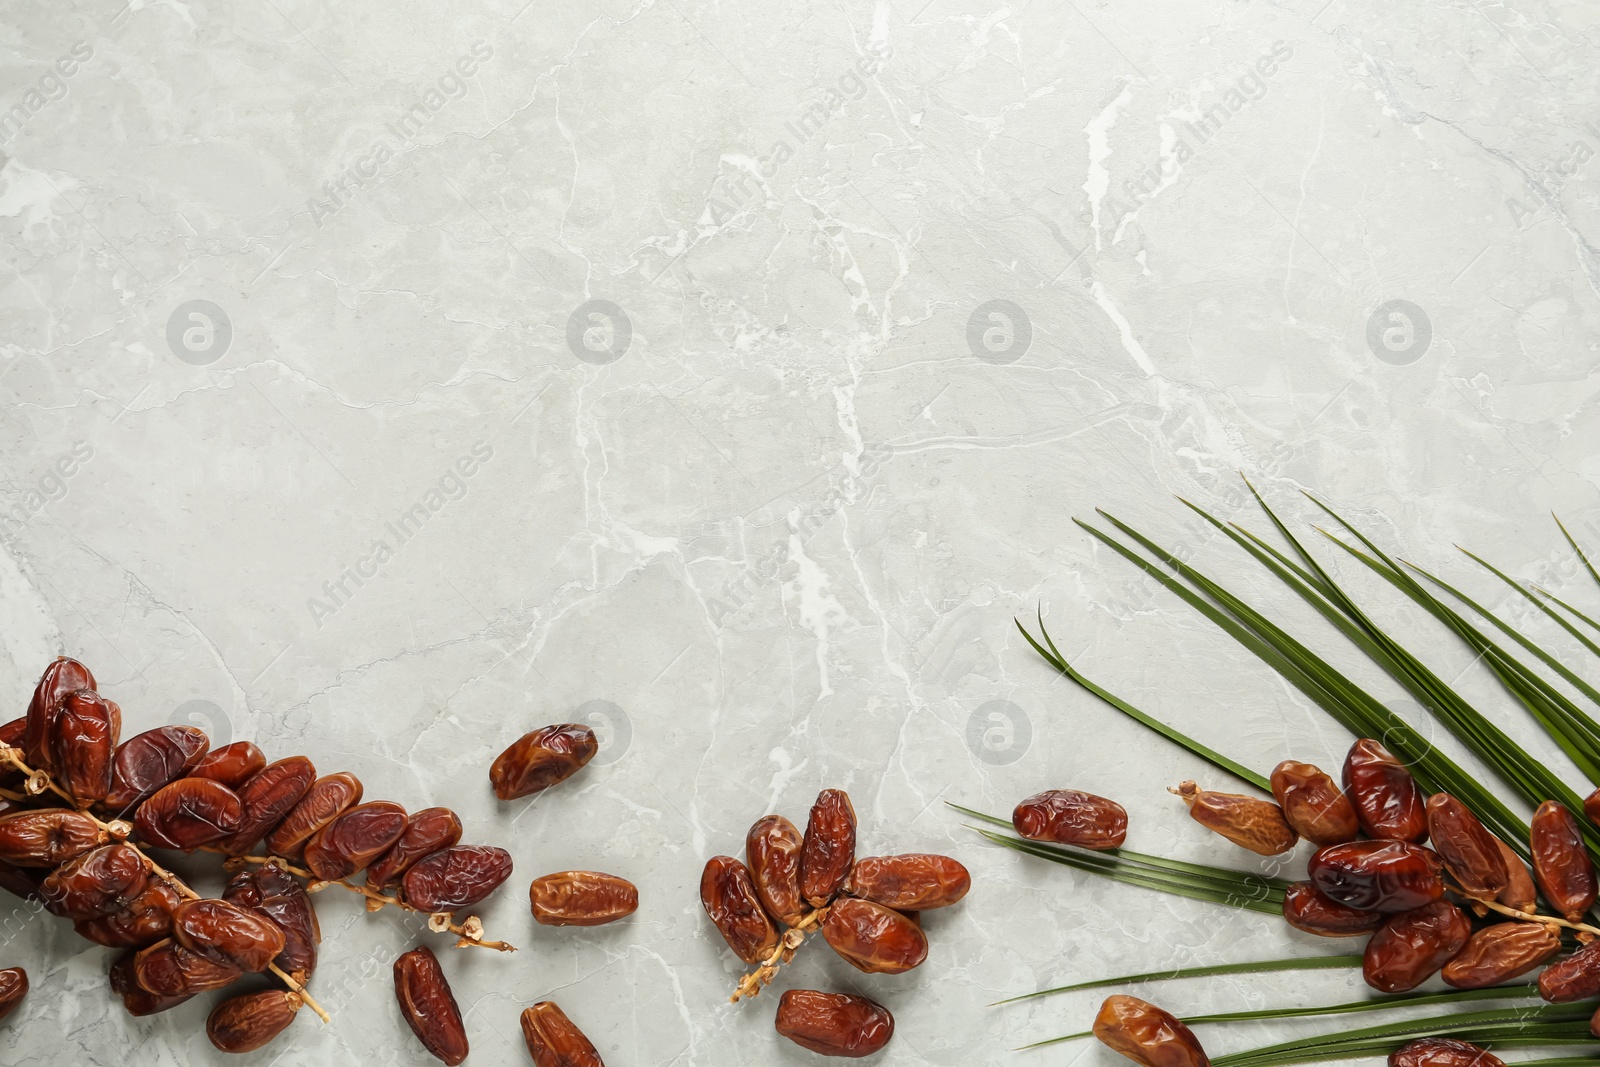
{"x": 917, "y": 881}
{"x": 834, "y": 1024}
{"x": 1575, "y": 978}
{"x": 276, "y": 894}
{"x": 541, "y": 758}
{"x": 356, "y": 838}
{"x": 248, "y": 1022}
{"x": 60, "y": 678}
{"x": 1499, "y": 952}
{"x": 232, "y": 765}
{"x": 1470, "y": 852}
{"x": 97, "y": 883}
{"x": 266, "y": 798}
{"x": 83, "y": 744}
{"x": 167, "y": 969}
{"x": 137, "y": 1000}
{"x": 873, "y": 938}
{"x": 456, "y": 877}
{"x": 324, "y": 802}
{"x": 1410, "y": 947}
{"x": 146, "y": 919}
{"x": 1442, "y": 1052}
{"x": 47, "y": 838}
{"x": 1313, "y": 804}
{"x": 728, "y": 894}
{"x": 428, "y": 831}
{"x": 13, "y": 987}
{"x": 146, "y": 762}
{"x": 189, "y": 813}
{"x": 582, "y": 898}
{"x": 1071, "y": 817}
{"x": 1304, "y": 908}
{"x": 1561, "y": 861}
{"x": 1386, "y": 797}
{"x": 1386, "y": 876}
{"x": 554, "y": 1040}
{"x": 228, "y": 934}
{"x": 828, "y": 849}
{"x": 1519, "y": 892}
{"x": 1250, "y": 823}
{"x": 772, "y": 851}
{"x": 1147, "y": 1034}
{"x": 13, "y": 734}
{"x": 428, "y": 1005}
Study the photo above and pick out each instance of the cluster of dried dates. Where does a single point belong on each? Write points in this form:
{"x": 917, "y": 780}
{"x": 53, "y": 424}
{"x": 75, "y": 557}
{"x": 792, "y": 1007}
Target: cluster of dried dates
{"x": 1465, "y": 908}
{"x": 868, "y": 911}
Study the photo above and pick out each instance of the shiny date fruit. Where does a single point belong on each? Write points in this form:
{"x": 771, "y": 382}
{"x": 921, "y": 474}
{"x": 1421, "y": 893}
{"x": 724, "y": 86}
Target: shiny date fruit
{"x": 47, "y": 838}
{"x": 228, "y": 934}
{"x": 146, "y": 762}
{"x": 772, "y": 852}
{"x": 279, "y": 896}
{"x": 582, "y": 898}
{"x": 1306, "y": 909}
{"x": 60, "y": 678}
{"x": 266, "y": 798}
{"x": 1386, "y": 876}
{"x": 83, "y": 744}
{"x": 455, "y": 878}
{"x": 554, "y": 1040}
{"x": 1257, "y": 825}
{"x": 427, "y": 831}
{"x": 324, "y": 802}
{"x": 1575, "y": 978}
{"x": 167, "y": 969}
{"x": 232, "y": 765}
{"x": 428, "y": 1005}
{"x": 97, "y": 883}
{"x": 189, "y": 813}
{"x": 1410, "y": 947}
{"x": 1071, "y": 817}
{"x": 1519, "y": 892}
{"x": 146, "y": 919}
{"x": 356, "y": 838}
{"x": 540, "y": 759}
{"x": 728, "y": 894}
{"x": 137, "y": 1000}
{"x": 1313, "y": 804}
{"x": 1442, "y": 1052}
{"x": 1561, "y": 862}
{"x": 873, "y": 938}
{"x": 1470, "y": 852}
{"x": 917, "y": 881}
{"x": 828, "y": 849}
{"x": 1387, "y": 800}
{"x": 246, "y": 1023}
{"x": 1499, "y": 952}
{"x": 1147, "y": 1034}
{"x": 834, "y": 1024}
{"x": 13, "y": 987}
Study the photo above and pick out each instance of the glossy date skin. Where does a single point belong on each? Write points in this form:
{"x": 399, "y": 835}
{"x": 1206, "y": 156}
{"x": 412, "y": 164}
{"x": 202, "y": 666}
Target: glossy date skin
{"x": 146, "y": 762}
{"x": 1561, "y": 861}
{"x": 356, "y": 838}
{"x": 189, "y": 813}
{"x": 541, "y": 758}
{"x": 917, "y": 881}
{"x": 427, "y": 831}
{"x": 13, "y": 987}
{"x": 47, "y": 838}
{"x": 97, "y": 883}
{"x": 873, "y": 938}
{"x": 728, "y": 894}
{"x": 1386, "y": 876}
{"x": 232, "y": 765}
{"x": 1410, "y": 947}
{"x": 1519, "y": 892}
{"x": 146, "y": 919}
{"x": 1313, "y": 804}
{"x": 227, "y": 933}
{"x": 554, "y": 1040}
{"x": 266, "y": 798}
{"x": 1500, "y": 952}
{"x": 833, "y": 1024}
{"x": 828, "y": 849}
{"x": 1470, "y": 852}
{"x": 326, "y": 800}
{"x": 167, "y": 969}
{"x": 1387, "y": 800}
{"x": 1071, "y": 817}
{"x": 772, "y": 852}
{"x": 456, "y": 877}
{"x": 137, "y": 1000}
{"x": 1250, "y": 823}
{"x": 428, "y": 1005}
{"x": 279, "y": 896}
{"x": 83, "y": 744}
{"x": 246, "y": 1023}
{"x": 1147, "y": 1034}
{"x": 1306, "y": 909}
{"x": 60, "y": 678}
{"x": 1442, "y": 1052}
{"x": 582, "y": 898}
{"x": 1575, "y": 978}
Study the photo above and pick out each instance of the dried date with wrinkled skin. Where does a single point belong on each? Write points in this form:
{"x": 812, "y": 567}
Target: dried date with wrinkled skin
{"x": 582, "y": 898}
{"x": 1519, "y": 892}
{"x": 189, "y": 813}
{"x": 1442, "y": 1052}
{"x": 1386, "y": 798}
{"x": 356, "y": 838}
{"x": 146, "y": 920}
{"x": 828, "y": 849}
{"x": 772, "y": 852}
{"x": 1313, "y": 804}
{"x": 97, "y": 883}
{"x": 1306, "y": 909}
{"x": 167, "y": 969}
{"x": 1499, "y": 952}
{"x": 455, "y": 878}
{"x": 137, "y": 1000}
{"x": 554, "y": 1040}
{"x": 873, "y": 938}
{"x": 1561, "y": 861}
{"x": 1250, "y": 823}
{"x": 266, "y": 798}
{"x": 1470, "y": 852}
{"x": 278, "y": 895}
{"x": 83, "y": 743}
{"x": 232, "y": 765}
{"x": 427, "y": 831}
{"x": 60, "y": 678}
{"x": 145, "y": 762}
{"x": 728, "y": 894}
{"x": 47, "y": 838}
{"x": 1386, "y": 876}
{"x": 1147, "y": 1034}
{"x": 1575, "y": 978}
{"x": 833, "y": 1024}
{"x": 228, "y": 934}
{"x": 246, "y": 1023}
{"x": 1071, "y": 817}
{"x": 914, "y": 881}
{"x": 324, "y": 802}
{"x": 541, "y": 758}
{"x": 13, "y": 987}
{"x": 428, "y": 1005}
{"x": 1410, "y": 948}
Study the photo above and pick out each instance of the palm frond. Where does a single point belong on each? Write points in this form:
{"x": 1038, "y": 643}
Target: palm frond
{"x": 1294, "y": 963}
{"x": 1582, "y": 557}
{"x": 1534, "y": 600}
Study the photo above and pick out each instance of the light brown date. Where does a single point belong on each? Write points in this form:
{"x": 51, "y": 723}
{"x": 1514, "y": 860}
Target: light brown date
{"x": 1250, "y": 823}
{"x": 828, "y": 849}
{"x": 915, "y": 881}
{"x": 1499, "y": 952}
{"x": 266, "y": 798}
{"x": 137, "y": 1000}
{"x": 1314, "y": 804}
{"x": 1470, "y": 852}
{"x": 428, "y": 1005}
{"x": 772, "y": 851}
{"x": 83, "y": 744}
{"x": 1519, "y": 892}
{"x": 554, "y": 1040}
{"x": 582, "y": 898}
{"x": 327, "y": 798}
{"x": 60, "y": 678}
{"x": 146, "y": 762}
{"x": 189, "y": 813}
{"x": 356, "y": 838}
{"x": 1442, "y": 1052}
{"x": 427, "y": 831}
{"x": 873, "y": 938}
{"x": 541, "y": 758}
{"x": 1387, "y": 876}
{"x": 47, "y": 838}
{"x": 1306, "y": 909}
{"x": 728, "y": 894}
{"x": 1386, "y": 798}
{"x": 1410, "y": 947}
{"x": 1071, "y": 817}
{"x": 1575, "y": 978}
{"x": 99, "y": 882}
{"x": 13, "y": 987}
{"x": 228, "y": 934}
{"x": 146, "y": 920}
{"x": 248, "y": 1022}
{"x": 1147, "y": 1034}
{"x": 232, "y": 765}
{"x": 1561, "y": 862}
{"x": 167, "y": 969}
{"x": 456, "y": 877}
{"x": 278, "y": 895}
{"x": 834, "y": 1024}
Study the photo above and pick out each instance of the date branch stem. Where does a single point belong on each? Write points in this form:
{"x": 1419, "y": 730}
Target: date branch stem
{"x": 752, "y": 984}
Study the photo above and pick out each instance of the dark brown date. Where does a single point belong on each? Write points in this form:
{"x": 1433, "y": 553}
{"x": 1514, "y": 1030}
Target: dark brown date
{"x": 1470, "y": 852}
{"x": 47, "y": 838}
{"x": 356, "y": 838}
{"x": 1147, "y": 1034}
{"x": 146, "y": 762}
{"x": 728, "y": 894}
{"x": 83, "y": 744}
{"x": 13, "y": 987}
{"x": 1070, "y": 817}
{"x": 915, "y": 881}
{"x": 539, "y": 759}
{"x": 772, "y": 851}
{"x": 1387, "y": 876}
{"x": 324, "y": 802}
{"x": 13, "y": 734}
{"x": 428, "y": 1005}
{"x": 60, "y": 678}
{"x": 554, "y": 1040}
{"x": 146, "y": 920}
{"x": 1499, "y": 952}
{"x": 167, "y": 969}
{"x": 1561, "y": 862}
{"x": 278, "y": 895}
{"x": 873, "y": 938}
{"x": 189, "y": 813}
{"x": 834, "y": 1024}
{"x": 99, "y": 882}
{"x": 1442, "y": 1052}
{"x": 232, "y": 765}
{"x": 138, "y": 1001}
{"x": 1306, "y": 909}
{"x": 1410, "y": 947}
{"x": 1314, "y": 804}
{"x": 582, "y": 898}
{"x": 455, "y": 878}
{"x": 227, "y": 933}
{"x": 266, "y": 798}
{"x": 246, "y": 1023}
{"x": 1386, "y": 797}
{"x": 427, "y": 831}
{"x": 1575, "y": 978}
{"x": 1250, "y": 823}
{"x": 1519, "y": 892}
{"x": 828, "y": 849}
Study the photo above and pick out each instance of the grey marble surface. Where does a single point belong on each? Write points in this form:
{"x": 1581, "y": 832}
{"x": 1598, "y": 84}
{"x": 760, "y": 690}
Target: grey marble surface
{"x": 380, "y": 381}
